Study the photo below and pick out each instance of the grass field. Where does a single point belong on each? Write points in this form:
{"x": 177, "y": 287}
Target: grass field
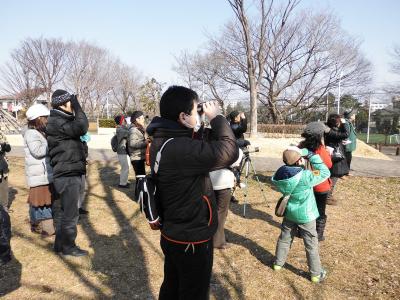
{"x": 361, "y": 250}
{"x": 374, "y": 138}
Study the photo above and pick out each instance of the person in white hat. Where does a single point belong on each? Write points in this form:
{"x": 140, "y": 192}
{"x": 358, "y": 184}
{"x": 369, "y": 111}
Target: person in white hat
{"x": 39, "y": 173}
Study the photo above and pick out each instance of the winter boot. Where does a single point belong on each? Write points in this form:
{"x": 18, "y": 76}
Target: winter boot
{"x": 331, "y": 201}
{"x": 320, "y": 224}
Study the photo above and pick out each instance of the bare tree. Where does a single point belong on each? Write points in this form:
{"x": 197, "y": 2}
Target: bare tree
{"x": 126, "y": 87}
{"x": 45, "y": 58}
{"x": 20, "y": 82}
{"x": 202, "y": 72}
{"x": 394, "y": 88}
{"x": 149, "y": 96}
{"x": 306, "y": 61}
{"x": 245, "y": 46}
{"x": 90, "y": 74}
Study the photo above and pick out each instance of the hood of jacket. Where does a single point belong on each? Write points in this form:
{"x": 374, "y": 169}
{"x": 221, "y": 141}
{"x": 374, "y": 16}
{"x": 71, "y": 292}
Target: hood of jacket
{"x": 287, "y": 178}
{"x": 160, "y": 127}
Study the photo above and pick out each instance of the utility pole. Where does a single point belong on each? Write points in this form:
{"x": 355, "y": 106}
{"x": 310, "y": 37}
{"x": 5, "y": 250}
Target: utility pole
{"x": 369, "y": 118}
{"x": 338, "y": 103}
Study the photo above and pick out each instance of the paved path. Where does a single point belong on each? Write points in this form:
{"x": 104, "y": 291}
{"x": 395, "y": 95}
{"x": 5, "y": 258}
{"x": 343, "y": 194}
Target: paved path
{"x": 362, "y": 166}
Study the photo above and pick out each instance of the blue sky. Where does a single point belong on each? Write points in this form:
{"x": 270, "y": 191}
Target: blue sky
{"x": 147, "y": 34}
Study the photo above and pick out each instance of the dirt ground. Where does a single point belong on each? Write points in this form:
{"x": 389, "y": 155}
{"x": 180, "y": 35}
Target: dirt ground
{"x": 361, "y": 252}
{"x": 273, "y": 147}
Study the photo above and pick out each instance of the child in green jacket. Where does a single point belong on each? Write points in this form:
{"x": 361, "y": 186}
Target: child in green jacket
{"x": 301, "y": 210}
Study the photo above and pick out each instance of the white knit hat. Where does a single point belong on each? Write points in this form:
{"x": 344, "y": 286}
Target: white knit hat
{"x": 36, "y": 111}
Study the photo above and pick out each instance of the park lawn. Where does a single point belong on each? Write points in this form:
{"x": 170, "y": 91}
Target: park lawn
{"x": 373, "y": 138}
{"x": 125, "y": 261}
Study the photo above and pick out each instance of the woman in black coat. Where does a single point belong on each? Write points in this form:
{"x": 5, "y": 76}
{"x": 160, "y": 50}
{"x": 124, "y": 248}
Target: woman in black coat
{"x": 334, "y": 139}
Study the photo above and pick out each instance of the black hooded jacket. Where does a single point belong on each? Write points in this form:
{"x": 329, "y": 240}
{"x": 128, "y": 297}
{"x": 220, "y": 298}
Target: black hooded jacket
{"x": 186, "y": 199}
{"x": 334, "y": 139}
{"x": 66, "y": 150}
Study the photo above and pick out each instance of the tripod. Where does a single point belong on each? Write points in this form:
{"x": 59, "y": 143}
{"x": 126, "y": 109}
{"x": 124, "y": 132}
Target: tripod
{"x": 245, "y": 165}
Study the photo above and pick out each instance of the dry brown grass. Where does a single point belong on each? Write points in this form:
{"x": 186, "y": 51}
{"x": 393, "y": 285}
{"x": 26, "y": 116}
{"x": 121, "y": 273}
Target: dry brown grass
{"x": 361, "y": 252}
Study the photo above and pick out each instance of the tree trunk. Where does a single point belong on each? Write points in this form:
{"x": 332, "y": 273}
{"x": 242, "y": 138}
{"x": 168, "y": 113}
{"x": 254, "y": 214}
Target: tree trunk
{"x": 253, "y": 107}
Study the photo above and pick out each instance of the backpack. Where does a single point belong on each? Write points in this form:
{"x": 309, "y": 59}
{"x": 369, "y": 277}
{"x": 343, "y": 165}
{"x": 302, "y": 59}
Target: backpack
{"x": 146, "y": 191}
{"x": 114, "y": 143}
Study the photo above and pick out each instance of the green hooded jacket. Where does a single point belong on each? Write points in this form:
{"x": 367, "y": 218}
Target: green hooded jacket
{"x": 352, "y": 137}
{"x": 294, "y": 180}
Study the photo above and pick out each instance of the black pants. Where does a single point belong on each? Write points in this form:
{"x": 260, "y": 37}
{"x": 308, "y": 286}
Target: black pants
{"x": 138, "y": 166}
{"x": 5, "y": 236}
{"x": 321, "y": 204}
{"x": 349, "y": 156}
{"x": 187, "y": 270}
{"x": 70, "y": 190}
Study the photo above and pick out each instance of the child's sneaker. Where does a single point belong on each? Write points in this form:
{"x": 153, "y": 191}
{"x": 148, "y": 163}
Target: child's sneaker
{"x": 319, "y": 278}
{"x": 276, "y": 267}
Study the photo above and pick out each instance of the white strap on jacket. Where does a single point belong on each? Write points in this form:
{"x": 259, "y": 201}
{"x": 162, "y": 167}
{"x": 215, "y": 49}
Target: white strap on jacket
{"x": 158, "y": 157}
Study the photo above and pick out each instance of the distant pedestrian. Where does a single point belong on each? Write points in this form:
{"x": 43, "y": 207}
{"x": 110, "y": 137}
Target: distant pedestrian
{"x": 137, "y": 143}
{"x": 334, "y": 139}
{"x": 39, "y": 173}
{"x": 122, "y": 133}
{"x": 301, "y": 211}
{"x": 66, "y": 124}
{"x": 351, "y": 143}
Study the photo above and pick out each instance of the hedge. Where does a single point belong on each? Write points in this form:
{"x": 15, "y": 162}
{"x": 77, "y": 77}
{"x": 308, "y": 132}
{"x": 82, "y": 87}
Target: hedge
{"x": 107, "y": 123}
{"x": 273, "y": 130}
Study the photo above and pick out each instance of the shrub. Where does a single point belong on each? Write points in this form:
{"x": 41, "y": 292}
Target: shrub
{"x": 107, "y": 123}
{"x": 274, "y": 130}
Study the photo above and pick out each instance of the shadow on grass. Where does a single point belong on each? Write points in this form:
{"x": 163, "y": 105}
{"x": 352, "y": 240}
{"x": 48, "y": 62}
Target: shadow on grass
{"x": 252, "y": 213}
{"x": 262, "y": 255}
{"x": 119, "y": 257}
{"x": 218, "y": 282}
{"x": 10, "y": 277}
{"x": 11, "y": 196}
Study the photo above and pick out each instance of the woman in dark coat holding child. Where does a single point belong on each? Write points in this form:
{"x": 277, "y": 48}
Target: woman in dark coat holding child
{"x": 334, "y": 139}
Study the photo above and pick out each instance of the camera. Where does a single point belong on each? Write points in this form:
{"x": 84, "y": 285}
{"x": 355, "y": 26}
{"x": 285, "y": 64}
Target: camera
{"x": 246, "y": 151}
{"x": 200, "y": 110}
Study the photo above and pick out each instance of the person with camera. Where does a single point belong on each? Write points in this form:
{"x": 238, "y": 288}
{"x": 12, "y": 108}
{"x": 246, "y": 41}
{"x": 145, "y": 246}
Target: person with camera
{"x": 238, "y": 123}
{"x": 66, "y": 124}
{"x": 334, "y": 139}
{"x": 137, "y": 143}
{"x": 294, "y": 181}
{"x": 187, "y": 203}
{"x": 5, "y": 223}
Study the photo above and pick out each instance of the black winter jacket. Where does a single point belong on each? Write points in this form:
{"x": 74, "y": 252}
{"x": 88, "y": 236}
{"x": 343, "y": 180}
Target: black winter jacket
{"x": 66, "y": 151}
{"x": 334, "y": 139}
{"x": 187, "y": 203}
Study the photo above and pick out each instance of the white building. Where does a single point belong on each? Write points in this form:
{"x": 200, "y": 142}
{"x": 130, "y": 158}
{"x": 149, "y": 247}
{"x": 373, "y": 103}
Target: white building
{"x": 376, "y": 106}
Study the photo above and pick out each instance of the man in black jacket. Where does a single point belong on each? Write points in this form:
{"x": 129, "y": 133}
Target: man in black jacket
{"x": 186, "y": 199}
{"x": 66, "y": 124}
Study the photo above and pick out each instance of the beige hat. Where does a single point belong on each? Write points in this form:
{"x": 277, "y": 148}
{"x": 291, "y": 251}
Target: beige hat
{"x": 292, "y": 154}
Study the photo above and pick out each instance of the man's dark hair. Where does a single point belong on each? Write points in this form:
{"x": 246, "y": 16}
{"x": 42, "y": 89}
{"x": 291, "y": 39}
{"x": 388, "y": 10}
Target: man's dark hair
{"x": 311, "y": 141}
{"x": 177, "y": 99}
{"x": 332, "y": 119}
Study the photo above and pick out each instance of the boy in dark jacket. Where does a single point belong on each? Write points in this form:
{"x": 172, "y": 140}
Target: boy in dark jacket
{"x": 186, "y": 199}
{"x": 66, "y": 124}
